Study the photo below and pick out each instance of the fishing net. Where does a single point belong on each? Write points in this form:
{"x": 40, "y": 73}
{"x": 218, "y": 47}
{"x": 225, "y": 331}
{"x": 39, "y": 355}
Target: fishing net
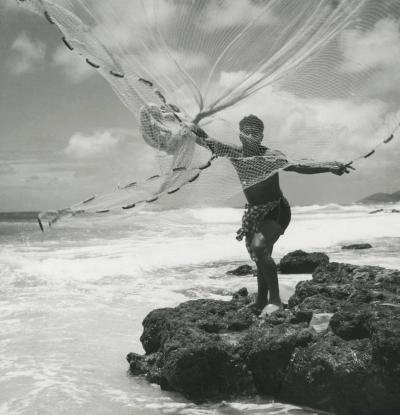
{"x": 317, "y": 72}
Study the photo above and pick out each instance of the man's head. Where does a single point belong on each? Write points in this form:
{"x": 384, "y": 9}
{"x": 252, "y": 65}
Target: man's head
{"x": 251, "y": 128}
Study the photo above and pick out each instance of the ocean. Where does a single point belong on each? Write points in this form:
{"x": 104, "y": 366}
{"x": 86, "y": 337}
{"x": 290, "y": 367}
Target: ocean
{"x": 72, "y": 299}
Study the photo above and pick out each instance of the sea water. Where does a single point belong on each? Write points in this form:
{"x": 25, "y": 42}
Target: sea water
{"x": 72, "y": 299}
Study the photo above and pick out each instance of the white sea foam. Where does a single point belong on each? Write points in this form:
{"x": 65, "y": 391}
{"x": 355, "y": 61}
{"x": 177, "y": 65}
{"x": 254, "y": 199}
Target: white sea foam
{"x": 72, "y": 299}
{"x": 187, "y": 237}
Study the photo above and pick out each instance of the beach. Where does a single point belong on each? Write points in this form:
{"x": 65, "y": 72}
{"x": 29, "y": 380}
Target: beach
{"x": 72, "y": 299}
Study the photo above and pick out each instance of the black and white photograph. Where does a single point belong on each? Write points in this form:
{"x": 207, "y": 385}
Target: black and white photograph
{"x": 199, "y": 207}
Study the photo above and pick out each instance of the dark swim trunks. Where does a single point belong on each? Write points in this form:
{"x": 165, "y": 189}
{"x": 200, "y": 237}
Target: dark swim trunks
{"x": 254, "y": 216}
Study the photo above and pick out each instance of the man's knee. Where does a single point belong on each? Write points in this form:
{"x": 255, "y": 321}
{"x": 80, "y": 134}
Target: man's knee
{"x": 271, "y": 231}
{"x": 260, "y": 246}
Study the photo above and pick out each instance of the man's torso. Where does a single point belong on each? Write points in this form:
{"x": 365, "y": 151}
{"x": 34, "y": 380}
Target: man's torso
{"x": 259, "y": 185}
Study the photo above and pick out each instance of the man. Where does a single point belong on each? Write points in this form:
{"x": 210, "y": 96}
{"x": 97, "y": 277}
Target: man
{"x": 267, "y": 213}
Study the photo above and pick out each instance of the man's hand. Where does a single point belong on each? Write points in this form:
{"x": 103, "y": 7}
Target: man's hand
{"x": 198, "y": 131}
{"x": 340, "y": 168}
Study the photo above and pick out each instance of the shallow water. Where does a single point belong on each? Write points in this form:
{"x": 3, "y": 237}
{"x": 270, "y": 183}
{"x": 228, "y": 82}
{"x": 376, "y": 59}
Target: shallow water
{"x": 72, "y": 299}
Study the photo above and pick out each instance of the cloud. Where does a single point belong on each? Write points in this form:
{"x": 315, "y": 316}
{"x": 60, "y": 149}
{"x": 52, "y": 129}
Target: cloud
{"x": 377, "y": 48}
{"x": 9, "y": 4}
{"x": 374, "y": 55}
{"x": 73, "y": 65}
{"x": 164, "y": 65}
{"x": 324, "y": 128}
{"x": 229, "y": 79}
{"x": 24, "y": 173}
{"x": 26, "y": 54}
{"x": 32, "y": 179}
{"x": 6, "y": 169}
{"x": 223, "y": 14}
{"x": 136, "y": 24}
{"x": 97, "y": 145}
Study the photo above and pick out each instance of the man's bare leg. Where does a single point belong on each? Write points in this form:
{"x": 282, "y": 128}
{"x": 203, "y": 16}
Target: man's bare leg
{"x": 269, "y": 273}
{"x": 262, "y": 292}
{"x": 258, "y": 246}
{"x": 263, "y": 243}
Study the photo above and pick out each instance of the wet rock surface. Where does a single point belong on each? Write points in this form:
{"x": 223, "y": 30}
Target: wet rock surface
{"x": 242, "y": 270}
{"x": 336, "y": 347}
{"x": 300, "y": 262}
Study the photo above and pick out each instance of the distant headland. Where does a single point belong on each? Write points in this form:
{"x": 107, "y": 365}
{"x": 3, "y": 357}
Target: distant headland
{"x": 381, "y": 198}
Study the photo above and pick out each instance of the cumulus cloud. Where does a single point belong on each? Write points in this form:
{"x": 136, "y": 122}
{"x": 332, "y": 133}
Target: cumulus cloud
{"x": 377, "y": 48}
{"x": 98, "y": 144}
{"x": 324, "y": 128}
{"x": 27, "y": 53}
{"x": 166, "y": 66}
{"x": 228, "y": 13}
{"x": 374, "y": 55}
{"x": 73, "y": 66}
{"x": 135, "y": 25}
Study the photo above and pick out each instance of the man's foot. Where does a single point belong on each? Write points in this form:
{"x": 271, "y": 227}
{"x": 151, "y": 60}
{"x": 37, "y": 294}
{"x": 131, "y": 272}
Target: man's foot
{"x": 269, "y": 309}
{"x": 256, "y": 307}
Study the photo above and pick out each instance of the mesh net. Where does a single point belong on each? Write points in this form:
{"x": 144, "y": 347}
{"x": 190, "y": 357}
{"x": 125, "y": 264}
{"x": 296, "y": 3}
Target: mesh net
{"x": 315, "y": 71}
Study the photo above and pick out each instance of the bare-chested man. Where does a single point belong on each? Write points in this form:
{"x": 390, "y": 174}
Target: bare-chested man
{"x": 267, "y": 213}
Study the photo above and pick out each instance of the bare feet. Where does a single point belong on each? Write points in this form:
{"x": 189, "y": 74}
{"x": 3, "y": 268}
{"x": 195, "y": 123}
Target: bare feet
{"x": 256, "y": 307}
{"x": 269, "y": 309}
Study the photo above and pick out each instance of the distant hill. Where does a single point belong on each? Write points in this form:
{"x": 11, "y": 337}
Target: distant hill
{"x": 381, "y": 198}
{"x": 18, "y": 216}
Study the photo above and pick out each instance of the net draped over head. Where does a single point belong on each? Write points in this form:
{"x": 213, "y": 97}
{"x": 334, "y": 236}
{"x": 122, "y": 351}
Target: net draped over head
{"x": 312, "y": 70}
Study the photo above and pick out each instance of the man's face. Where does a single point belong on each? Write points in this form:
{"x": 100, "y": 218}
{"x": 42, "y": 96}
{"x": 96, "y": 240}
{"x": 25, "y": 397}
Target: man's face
{"x": 250, "y": 134}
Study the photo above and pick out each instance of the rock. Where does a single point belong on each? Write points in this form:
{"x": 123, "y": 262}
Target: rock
{"x": 242, "y": 293}
{"x": 145, "y": 365}
{"x": 384, "y": 331}
{"x": 357, "y": 246}
{"x": 341, "y": 377}
{"x": 203, "y": 367}
{"x": 348, "y": 370}
{"x": 267, "y": 351}
{"x": 199, "y": 358}
{"x": 351, "y": 324}
{"x": 383, "y": 210}
{"x": 241, "y": 270}
{"x": 375, "y": 211}
{"x": 334, "y": 286}
{"x": 300, "y": 262}
{"x": 320, "y": 297}
{"x": 335, "y": 348}
{"x": 137, "y": 363}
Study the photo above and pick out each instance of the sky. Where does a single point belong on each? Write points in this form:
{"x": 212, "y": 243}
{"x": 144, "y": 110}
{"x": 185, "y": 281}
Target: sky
{"x": 65, "y": 135}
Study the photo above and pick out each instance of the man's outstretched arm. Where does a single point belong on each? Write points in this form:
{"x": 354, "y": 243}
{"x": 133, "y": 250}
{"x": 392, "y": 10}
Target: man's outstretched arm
{"x": 313, "y": 167}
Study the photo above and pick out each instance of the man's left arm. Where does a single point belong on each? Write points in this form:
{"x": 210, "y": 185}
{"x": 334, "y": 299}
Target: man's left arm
{"x": 314, "y": 167}
{"x": 216, "y": 147}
